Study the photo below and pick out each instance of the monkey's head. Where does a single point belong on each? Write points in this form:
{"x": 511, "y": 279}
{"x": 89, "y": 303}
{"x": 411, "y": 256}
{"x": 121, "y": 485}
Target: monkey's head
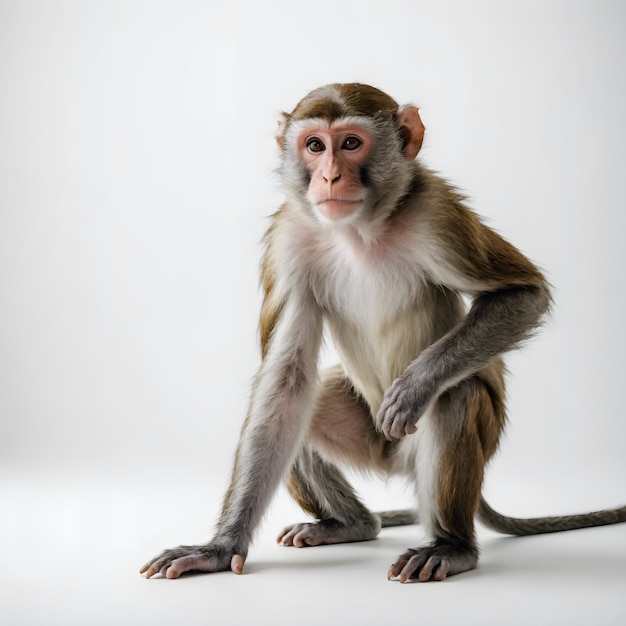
{"x": 347, "y": 151}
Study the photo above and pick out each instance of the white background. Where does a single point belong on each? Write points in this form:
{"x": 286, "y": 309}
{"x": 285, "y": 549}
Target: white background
{"x": 137, "y": 163}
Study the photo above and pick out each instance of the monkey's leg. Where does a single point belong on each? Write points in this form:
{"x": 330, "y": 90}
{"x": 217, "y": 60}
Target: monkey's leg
{"x": 453, "y": 444}
{"x": 321, "y": 490}
{"x": 342, "y": 429}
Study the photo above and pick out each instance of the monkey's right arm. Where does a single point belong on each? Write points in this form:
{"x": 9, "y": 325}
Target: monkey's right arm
{"x": 281, "y": 406}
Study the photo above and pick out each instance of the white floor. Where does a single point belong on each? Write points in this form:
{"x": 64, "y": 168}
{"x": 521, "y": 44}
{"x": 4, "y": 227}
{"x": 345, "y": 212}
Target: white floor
{"x": 72, "y": 546}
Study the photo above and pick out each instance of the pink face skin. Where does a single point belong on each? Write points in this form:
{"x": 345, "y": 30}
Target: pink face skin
{"x": 334, "y": 157}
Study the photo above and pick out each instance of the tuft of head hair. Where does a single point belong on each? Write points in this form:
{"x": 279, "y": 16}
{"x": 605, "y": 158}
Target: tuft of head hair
{"x": 341, "y": 100}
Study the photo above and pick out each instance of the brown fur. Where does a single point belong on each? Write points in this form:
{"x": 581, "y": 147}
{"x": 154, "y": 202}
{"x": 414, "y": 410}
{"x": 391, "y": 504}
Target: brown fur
{"x": 465, "y": 454}
{"x": 297, "y": 488}
{"x": 480, "y": 253}
{"x": 271, "y": 308}
{"x": 354, "y": 99}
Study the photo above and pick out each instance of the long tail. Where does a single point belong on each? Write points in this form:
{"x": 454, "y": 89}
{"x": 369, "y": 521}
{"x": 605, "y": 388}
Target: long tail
{"x": 538, "y": 525}
{"x": 404, "y": 517}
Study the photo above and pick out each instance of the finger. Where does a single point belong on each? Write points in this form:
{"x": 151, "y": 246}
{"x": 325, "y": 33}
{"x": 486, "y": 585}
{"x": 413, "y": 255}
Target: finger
{"x": 397, "y": 567}
{"x": 410, "y": 429}
{"x": 426, "y": 572}
{"x": 389, "y": 434}
{"x": 175, "y": 569}
{"x": 286, "y": 537}
{"x": 151, "y": 571}
{"x": 191, "y": 563}
{"x": 236, "y": 564}
{"x": 414, "y": 564}
{"x": 171, "y": 573}
{"x": 442, "y": 571}
{"x": 384, "y": 423}
{"x": 398, "y": 428}
{"x": 151, "y": 567}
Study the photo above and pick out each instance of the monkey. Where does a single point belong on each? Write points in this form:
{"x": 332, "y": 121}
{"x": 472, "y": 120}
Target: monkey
{"x": 421, "y": 300}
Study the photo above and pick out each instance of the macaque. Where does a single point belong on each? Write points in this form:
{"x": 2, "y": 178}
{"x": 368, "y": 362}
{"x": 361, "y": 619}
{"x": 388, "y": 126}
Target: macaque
{"x": 380, "y": 251}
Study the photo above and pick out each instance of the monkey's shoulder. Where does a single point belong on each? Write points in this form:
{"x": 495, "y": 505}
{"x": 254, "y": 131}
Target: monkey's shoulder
{"x": 417, "y": 245}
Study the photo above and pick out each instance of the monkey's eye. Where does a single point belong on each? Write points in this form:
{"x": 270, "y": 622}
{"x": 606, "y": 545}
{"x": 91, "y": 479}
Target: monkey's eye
{"x": 315, "y": 145}
{"x": 351, "y": 143}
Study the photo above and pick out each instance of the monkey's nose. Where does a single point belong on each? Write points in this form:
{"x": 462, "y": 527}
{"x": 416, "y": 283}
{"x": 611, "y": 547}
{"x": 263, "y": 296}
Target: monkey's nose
{"x": 331, "y": 178}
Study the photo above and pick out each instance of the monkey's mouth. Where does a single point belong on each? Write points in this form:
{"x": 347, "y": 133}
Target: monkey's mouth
{"x": 338, "y": 208}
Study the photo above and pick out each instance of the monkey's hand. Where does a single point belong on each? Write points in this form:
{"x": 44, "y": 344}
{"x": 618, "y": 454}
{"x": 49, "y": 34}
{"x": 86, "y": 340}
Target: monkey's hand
{"x": 211, "y": 557}
{"x": 403, "y": 404}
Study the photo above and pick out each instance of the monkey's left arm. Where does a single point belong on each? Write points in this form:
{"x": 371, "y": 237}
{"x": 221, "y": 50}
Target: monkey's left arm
{"x": 510, "y": 298}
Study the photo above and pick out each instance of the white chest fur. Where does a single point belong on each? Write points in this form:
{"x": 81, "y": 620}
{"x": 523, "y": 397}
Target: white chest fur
{"x": 376, "y": 303}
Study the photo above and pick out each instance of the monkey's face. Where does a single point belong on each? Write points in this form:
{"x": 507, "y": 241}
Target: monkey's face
{"x": 346, "y": 153}
{"x": 335, "y": 158}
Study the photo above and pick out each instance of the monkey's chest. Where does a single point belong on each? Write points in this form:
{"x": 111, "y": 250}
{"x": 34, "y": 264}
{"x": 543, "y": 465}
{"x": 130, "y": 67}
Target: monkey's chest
{"x": 379, "y": 322}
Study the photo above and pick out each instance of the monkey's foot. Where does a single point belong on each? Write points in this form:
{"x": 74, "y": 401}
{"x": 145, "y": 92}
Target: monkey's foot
{"x": 326, "y": 532}
{"x": 211, "y": 557}
{"x": 435, "y": 562}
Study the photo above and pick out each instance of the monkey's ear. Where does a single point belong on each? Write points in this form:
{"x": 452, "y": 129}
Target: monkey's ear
{"x": 412, "y": 130}
{"x": 282, "y": 123}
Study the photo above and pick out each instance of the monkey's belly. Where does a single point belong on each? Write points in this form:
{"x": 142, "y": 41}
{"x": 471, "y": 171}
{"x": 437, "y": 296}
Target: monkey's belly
{"x": 373, "y": 365}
